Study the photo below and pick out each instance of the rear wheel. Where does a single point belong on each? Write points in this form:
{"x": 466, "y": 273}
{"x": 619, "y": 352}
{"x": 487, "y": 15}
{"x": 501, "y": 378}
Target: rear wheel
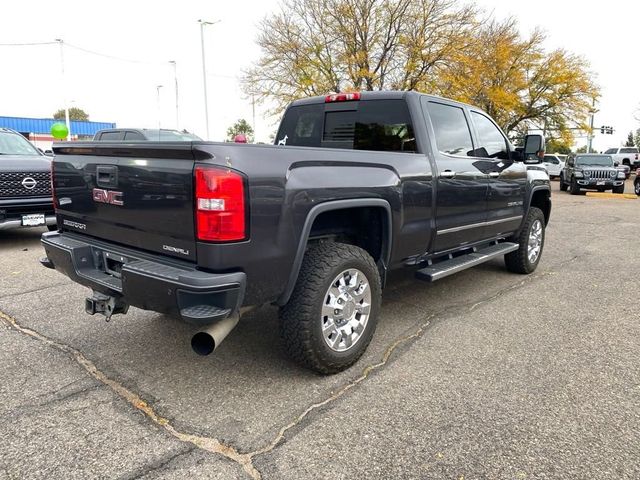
{"x": 530, "y": 241}
{"x": 333, "y": 311}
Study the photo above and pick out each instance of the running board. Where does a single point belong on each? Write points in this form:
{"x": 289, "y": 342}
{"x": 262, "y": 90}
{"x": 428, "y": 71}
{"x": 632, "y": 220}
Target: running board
{"x": 457, "y": 264}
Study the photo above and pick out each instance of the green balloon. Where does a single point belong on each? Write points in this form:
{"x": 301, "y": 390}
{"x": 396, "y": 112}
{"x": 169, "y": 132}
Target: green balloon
{"x": 59, "y": 131}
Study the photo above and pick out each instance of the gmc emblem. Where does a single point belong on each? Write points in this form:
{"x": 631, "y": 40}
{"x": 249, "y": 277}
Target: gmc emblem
{"x": 107, "y": 196}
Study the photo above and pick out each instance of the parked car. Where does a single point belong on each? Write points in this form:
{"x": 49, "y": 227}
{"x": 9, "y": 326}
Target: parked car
{"x": 356, "y": 185}
{"x": 553, "y": 164}
{"x": 25, "y": 184}
{"x": 591, "y": 171}
{"x": 143, "y": 134}
{"x": 625, "y": 156}
{"x": 636, "y": 183}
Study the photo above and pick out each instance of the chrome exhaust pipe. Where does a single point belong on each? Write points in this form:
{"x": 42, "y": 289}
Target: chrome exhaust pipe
{"x": 206, "y": 341}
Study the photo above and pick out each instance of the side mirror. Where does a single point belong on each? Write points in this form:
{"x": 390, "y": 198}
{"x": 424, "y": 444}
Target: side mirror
{"x": 616, "y": 164}
{"x": 49, "y": 153}
{"x": 533, "y": 149}
{"x": 570, "y": 162}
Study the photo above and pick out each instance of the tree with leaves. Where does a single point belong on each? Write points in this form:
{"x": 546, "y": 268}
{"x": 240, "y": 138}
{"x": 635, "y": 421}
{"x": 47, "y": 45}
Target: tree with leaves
{"x": 636, "y": 138}
{"x": 313, "y": 47}
{"x": 630, "y": 140}
{"x": 241, "y": 127}
{"x": 75, "y": 113}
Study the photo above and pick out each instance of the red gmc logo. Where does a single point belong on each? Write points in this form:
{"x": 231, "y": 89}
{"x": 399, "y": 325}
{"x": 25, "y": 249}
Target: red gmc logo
{"x": 107, "y": 196}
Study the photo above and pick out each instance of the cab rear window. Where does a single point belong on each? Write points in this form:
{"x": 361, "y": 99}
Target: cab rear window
{"x": 378, "y": 125}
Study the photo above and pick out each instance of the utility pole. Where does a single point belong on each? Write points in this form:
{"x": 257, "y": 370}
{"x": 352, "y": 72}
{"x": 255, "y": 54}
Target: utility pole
{"x": 253, "y": 108}
{"x": 175, "y": 80}
{"x": 64, "y": 89}
{"x": 158, "y": 87}
{"x": 204, "y": 74}
{"x": 590, "y": 136}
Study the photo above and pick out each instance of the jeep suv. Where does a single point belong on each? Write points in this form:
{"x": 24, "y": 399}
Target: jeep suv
{"x": 591, "y": 171}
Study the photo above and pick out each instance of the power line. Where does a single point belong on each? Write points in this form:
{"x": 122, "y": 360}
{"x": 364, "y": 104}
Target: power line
{"x": 113, "y": 57}
{"x": 25, "y": 44}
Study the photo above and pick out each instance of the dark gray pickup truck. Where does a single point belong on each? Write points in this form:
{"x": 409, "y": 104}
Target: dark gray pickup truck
{"x": 356, "y": 185}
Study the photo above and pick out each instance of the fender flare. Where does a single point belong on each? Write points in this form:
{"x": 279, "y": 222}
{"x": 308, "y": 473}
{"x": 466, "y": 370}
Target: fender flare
{"x": 331, "y": 206}
{"x": 535, "y": 189}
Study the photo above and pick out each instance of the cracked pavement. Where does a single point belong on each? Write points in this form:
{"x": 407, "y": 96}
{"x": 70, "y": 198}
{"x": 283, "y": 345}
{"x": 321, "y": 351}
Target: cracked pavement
{"x": 484, "y": 374}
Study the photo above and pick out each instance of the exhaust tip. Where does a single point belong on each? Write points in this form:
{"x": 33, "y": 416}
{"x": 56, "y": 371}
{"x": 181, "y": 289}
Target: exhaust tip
{"x": 202, "y": 343}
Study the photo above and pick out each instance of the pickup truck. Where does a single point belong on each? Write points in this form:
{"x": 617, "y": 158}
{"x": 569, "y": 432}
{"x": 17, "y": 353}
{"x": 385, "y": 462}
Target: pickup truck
{"x": 356, "y": 185}
{"x": 25, "y": 184}
{"x": 625, "y": 156}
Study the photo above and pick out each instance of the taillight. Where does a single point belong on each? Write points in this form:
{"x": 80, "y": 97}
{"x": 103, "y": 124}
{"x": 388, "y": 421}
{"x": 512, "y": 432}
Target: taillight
{"x": 342, "y": 97}
{"x": 220, "y": 204}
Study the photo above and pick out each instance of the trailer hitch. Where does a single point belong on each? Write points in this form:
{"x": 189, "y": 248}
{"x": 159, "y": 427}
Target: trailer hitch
{"x": 104, "y": 305}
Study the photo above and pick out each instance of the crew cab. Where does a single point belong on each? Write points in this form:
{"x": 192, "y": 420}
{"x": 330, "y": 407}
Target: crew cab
{"x": 25, "y": 184}
{"x": 625, "y": 156}
{"x": 356, "y": 185}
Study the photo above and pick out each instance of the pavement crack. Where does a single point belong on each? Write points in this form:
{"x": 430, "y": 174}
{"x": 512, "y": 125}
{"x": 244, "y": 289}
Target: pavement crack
{"x": 159, "y": 465}
{"x": 208, "y": 444}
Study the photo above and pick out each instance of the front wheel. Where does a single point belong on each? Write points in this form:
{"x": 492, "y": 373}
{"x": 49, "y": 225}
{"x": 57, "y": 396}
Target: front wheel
{"x": 575, "y": 188}
{"x": 331, "y": 316}
{"x": 530, "y": 241}
{"x": 636, "y": 188}
{"x": 619, "y": 189}
{"x": 563, "y": 186}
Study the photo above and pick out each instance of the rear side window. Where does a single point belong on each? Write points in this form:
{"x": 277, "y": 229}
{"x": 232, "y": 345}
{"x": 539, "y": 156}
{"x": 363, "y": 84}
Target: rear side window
{"x": 611, "y": 150}
{"x": 111, "y": 136}
{"x": 133, "y": 136}
{"x": 628, "y": 150}
{"x": 453, "y": 136}
{"x": 491, "y": 142}
{"x": 378, "y": 125}
{"x": 551, "y": 159}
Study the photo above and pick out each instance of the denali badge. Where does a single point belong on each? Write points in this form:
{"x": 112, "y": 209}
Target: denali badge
{"x": 79, "y": 226}
{"x": 107, "y": 196}
{"x": 169, "y": 248}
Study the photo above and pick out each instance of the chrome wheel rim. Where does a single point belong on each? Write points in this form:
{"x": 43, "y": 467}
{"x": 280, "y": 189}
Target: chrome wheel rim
{"x": 535, "y": 241}
{"x": 346, "y": 310}
{"x": 637, "y": 187}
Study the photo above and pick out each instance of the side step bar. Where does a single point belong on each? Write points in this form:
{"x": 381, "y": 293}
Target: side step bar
{"x": 454, "y": 265}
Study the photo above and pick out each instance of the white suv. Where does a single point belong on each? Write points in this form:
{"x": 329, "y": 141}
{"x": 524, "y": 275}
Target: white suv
{"x": 625, "y": 156}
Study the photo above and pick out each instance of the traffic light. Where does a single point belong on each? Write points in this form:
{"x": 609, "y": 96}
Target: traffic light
{"x": 606, "y": 129}
{"x": 602, "y": 130}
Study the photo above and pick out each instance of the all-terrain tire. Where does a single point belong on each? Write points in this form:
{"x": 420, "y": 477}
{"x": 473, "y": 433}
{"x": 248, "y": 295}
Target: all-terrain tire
{"x": 563, "y": 186}
{"x": 618, "y": 190}
{"x": 301, "y": 319}
{"x": 574, "y": 187}
{"x": 518, "y": 261}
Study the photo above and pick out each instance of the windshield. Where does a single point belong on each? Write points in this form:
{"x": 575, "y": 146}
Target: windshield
{"x": 600, "y": 160}
{"x": 170, "y": 136}
{"x": 15, "y": 144}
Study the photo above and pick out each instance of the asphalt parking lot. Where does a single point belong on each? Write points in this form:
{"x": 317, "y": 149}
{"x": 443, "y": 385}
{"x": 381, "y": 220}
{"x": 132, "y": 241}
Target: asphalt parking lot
{"x": 484, "y": 374}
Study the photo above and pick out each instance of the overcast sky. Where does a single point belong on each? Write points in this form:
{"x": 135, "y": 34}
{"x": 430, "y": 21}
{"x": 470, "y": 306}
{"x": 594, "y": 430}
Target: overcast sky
{"x": 152, "y": 33}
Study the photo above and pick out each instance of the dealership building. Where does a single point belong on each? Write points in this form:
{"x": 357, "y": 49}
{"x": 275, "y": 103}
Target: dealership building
{"x": 38, "y": 130}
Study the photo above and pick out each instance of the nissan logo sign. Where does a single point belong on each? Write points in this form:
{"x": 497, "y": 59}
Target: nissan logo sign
{"x": 29, "y": 183}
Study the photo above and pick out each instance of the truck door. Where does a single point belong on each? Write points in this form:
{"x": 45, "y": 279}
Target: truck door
{"x": 461, "y": 199}
{"x": 507, "y": 179}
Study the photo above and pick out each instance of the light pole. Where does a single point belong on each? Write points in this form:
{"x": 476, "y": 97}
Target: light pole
{"x": 175, "y": 80}
{"x": 204, "y": 74}
{"x": 64, "y": 88}
{"x": 593, "y": 111}
{"x": 158, "y": 87}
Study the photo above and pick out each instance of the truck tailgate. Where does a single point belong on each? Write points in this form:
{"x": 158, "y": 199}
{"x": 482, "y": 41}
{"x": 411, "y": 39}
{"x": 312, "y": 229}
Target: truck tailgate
{"x": 135, "y": 195}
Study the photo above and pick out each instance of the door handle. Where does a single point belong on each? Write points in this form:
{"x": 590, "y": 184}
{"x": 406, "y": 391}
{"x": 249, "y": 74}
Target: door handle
{"x": 448, "y": 174}
{"x": 494, "y": 174}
